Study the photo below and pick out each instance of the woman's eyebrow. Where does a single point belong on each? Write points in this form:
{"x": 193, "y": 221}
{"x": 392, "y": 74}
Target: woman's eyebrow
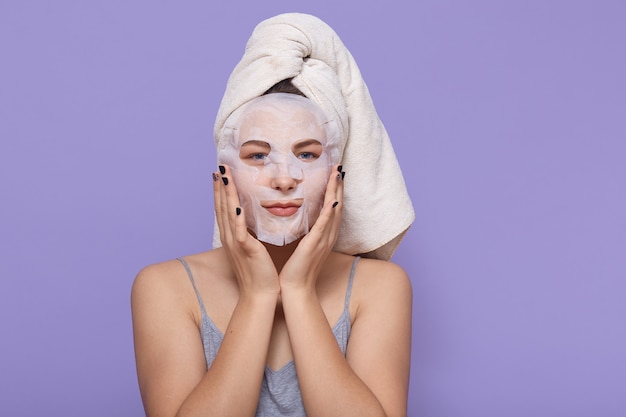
{"x": 306, "y": 142}
{"x": 256, "y": 143}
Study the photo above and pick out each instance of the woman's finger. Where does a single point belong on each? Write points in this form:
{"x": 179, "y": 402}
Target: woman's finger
{"x": 236, "y": 217}
{"x": 217, "y": 202}
{"x": 326, "y": 219}
{"x": 226, "y": 221}
{"x": 241, "y": 228}
{"x": 340, "y": 184}
{"x": 331, "y": 187}
{"x": 339, "y": 199}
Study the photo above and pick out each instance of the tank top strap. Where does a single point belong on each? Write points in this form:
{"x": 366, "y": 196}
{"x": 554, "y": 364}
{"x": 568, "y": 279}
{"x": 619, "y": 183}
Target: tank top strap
{"x": 350, "y": 281}
{"x": 193, "y": 283}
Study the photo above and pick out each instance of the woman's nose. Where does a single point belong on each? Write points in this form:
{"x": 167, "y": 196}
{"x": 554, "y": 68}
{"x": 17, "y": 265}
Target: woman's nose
{"x": 284, "y": 179}
{"x": 284, "y": 182}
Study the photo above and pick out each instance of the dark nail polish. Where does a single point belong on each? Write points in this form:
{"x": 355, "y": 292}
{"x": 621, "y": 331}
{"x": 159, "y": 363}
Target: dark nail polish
{"x": 335, "y": 204}
{"x": 339, "y": 168}
{"x": 222, "y": 169}
{"x": 238, "y": 211}
{"x": 343, "y": 174}
{"x": 215, "y": 177}
{"x": 225, "y": 180}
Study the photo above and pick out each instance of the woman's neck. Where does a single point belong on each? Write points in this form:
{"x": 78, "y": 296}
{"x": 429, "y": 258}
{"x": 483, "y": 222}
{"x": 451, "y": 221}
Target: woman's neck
{"x": 281, "y": 254}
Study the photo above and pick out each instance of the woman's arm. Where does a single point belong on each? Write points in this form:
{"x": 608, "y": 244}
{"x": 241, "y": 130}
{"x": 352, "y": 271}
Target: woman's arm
{"x": 170, "y": 359}
{"x": 373, "y": 379}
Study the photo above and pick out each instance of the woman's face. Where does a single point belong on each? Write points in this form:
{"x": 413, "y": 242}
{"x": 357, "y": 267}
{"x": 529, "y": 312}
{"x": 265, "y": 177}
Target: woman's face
{"x": 280, "y": 163}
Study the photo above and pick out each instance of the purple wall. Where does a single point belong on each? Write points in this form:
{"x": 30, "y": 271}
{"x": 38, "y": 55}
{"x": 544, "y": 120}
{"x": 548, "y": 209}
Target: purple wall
{"x": 509, "y": 119}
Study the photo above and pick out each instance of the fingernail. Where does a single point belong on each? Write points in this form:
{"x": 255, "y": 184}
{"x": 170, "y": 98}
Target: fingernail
{"x": 343, "y": 174}
{"x": 335, "y": 204}
{"x": 215, "y": 177}
{"x": 339, "y": 168}
{"x": 225, "y": 180}
{"x": 238, "y": 211}
{"x": 222, "y": 169}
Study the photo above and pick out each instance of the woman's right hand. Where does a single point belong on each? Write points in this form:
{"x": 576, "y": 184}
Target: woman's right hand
{"x": 250, "y": 260}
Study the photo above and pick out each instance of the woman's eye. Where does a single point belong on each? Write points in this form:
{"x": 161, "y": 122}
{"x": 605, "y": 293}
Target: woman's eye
{"x": 257, "y": 156}
{"x": 307, "y": 150}
{"x": 254, "y": 152}
{"x": 307, "y": 156}
{"x": 253, "y": 158}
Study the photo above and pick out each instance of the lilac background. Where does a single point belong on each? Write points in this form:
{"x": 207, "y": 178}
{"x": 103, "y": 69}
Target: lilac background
{"x": 509, "y": 119}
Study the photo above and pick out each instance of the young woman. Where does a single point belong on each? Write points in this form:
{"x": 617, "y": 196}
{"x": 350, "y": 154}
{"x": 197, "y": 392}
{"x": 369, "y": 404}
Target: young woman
{"x": 281, "y": 319}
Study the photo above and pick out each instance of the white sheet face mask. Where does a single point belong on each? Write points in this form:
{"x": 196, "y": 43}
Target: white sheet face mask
{"x": 281, "y": 150}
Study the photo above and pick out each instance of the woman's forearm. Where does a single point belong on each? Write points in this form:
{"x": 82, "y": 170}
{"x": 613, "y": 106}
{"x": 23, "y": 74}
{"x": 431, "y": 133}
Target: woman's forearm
{"x": 328, "y": 384}
{"x": 232, "y": 384}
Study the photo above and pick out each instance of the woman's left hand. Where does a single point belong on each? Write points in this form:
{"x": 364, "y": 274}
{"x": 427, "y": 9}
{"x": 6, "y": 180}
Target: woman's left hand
{"x": 305, "y": 264}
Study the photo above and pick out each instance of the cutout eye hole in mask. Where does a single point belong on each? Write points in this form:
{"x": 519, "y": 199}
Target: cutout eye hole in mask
{"x": 281, "y": 157}
{"x": 281, "y": 162}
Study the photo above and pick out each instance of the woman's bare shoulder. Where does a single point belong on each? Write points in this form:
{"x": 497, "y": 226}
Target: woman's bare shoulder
{"x": 170, "y": 277}
{"x": 374, "y": 271}
{"x": 381, "y": 281}
{"x": 377, "y": 271}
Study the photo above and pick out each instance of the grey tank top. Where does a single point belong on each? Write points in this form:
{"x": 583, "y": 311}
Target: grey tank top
{"x": 280, "y": 392}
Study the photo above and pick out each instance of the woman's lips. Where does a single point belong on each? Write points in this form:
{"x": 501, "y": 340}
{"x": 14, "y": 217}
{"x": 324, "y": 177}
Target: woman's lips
{"x": 282, "y": 208}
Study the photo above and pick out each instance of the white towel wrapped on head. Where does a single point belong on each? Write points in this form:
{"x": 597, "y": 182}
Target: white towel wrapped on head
{"x": 377, "y": 209}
